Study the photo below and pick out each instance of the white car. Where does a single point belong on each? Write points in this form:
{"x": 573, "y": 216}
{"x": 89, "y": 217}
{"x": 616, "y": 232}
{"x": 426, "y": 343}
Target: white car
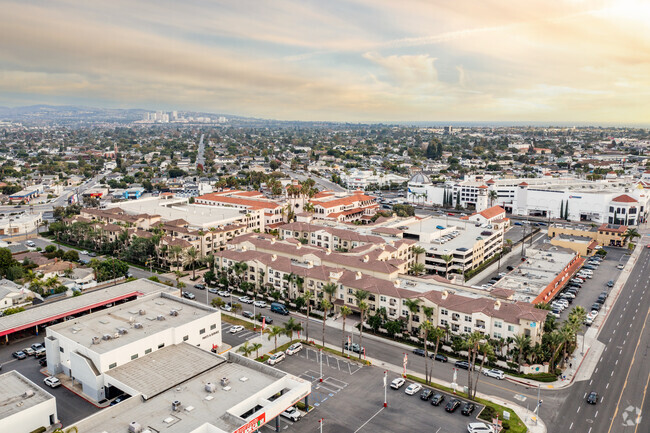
{"x": 497, "y": 374}
{"x": 479, "y": 427}
{"x": 274, "y": 359}
{"x": 260, "y": 304}
{"x": 223, "y": 293}
{"x": 397, "y": 383}
{"x": 413, "y": 388}
{"x": 292, "y": 413}
{"x": 235, "y": 329}
{"x": 246, "y": 300}
{"x": 293, "y": 349}
{"x": 84, "y": 252}
{"x": 52, "y": 382}
{"x": 226, "y": 307}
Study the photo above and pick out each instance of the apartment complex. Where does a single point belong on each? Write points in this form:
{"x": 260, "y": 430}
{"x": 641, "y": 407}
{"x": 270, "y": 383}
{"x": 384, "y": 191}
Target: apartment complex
{"x": 250, "y": 201}
{"x": 343, "y": 208}
{"x": 611, "y": 235}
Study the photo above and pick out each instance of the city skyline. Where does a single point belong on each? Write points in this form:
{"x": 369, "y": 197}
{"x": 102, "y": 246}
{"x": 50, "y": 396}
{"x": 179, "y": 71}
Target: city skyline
{"x": 573, "y": 61}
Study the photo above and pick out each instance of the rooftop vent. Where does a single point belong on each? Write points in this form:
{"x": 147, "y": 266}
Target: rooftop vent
{"x": 176, "y": 405}
{"x": 160, "y": 317}
{"x": 135, "y": 427}
{"x": 28, "y": 393}
{"x": 210, "y": 387}
{"x": 122, "y": 331}
{"x": 142, "y": 312}
{"x": 173, "y": 313}
{"x": 137, "y": 325}
{"x": 96, "y": 340}
{"x": 106, "y": 337}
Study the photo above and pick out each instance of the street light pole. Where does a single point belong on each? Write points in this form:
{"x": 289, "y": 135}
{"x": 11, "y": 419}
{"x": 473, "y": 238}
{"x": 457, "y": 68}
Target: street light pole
{"x": 320, "y": 355}
{"x": 385, "y": 384}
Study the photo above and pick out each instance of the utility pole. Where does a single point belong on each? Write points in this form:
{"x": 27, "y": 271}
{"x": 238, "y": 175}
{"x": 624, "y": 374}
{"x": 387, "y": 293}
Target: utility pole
{"x": 385, "y": 385}
{"x": 320, "y": 355}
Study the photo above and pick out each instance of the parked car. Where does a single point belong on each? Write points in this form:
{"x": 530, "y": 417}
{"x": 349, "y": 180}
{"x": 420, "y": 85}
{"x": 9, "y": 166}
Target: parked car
{"x": 419, "y": 352}
{"x": 235, "y": 329}
{"x": 440, "y": 357}
{"x": 227, "y": 308}
{"x": 355, "y": 347}
{"x": 52, "y": 382}
{"x": 468, "y": 409}
{"x": 437, "y": 399}
{"x": 189, "y": 295}
{"x": 494, "y": 372}
{"x": 592, "y": 398}
{"x": 277, "y": 357}
{"x": 266, "y": 319}
{"x": 37, "y": 346}
{"x": 19, "y": 354}
{"x": 245, "y": 300}
{"x": 610, "y": 283}
{"x": 462, "y": 364}
{"x": 294, "y": 348}
{"x": 596, "y": 306}
{"x": 42, "y": 362}
{"x": 291, "y": 413}
{"x": 413, "y": 388}
{"x": 223, "y": 293}
{"x": 40, "y": 353}
{"x": 120, "y": 399}
{"x": 397, "y": 383}
{"x": 479, "y": 427}
{"x": 426, "y": 394}
{"x": 452, "y": 405}
{"x": 248, "y": 314}
{"x": 29, "y": 351}
{"x": 260, "y": 304}
{"x": 199, "y": 286}
{"x": 213, "y": 290}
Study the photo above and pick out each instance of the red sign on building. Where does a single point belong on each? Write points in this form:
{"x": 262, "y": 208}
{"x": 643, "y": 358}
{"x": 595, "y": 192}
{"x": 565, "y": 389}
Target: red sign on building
{"x": 252, "y": 425}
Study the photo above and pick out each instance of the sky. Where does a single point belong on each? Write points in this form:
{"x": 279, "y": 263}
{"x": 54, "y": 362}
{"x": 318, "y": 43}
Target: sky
{"x": 564, "y": 61}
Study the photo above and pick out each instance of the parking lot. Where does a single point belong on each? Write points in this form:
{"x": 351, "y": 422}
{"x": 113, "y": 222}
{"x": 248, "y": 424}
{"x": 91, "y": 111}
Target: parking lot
{"x": 351, "y": 398}
{"x": 70, "y": 407}
{"x": 237, "y": 338}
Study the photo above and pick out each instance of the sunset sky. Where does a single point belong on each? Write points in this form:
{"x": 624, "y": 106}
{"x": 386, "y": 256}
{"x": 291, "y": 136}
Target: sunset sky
{"x": 357, "y": 60}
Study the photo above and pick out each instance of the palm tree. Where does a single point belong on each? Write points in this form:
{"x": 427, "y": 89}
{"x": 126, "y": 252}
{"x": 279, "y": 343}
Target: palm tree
{"x": 236, "y": 307}
{"x": 246, "y": 349}
{"x": 492, "y": 195}
{"x": 630, "y": 234}
{"x": 471, "y": 344}
{"x": 486, "y": 350}
{"x": 307, "y": 297}
{"x": 176, "y": 251}
{"x": 256, "y": 347}
{"x": 330, "y": 289}
{"x": 447, "y": 259}
{"x": 325, "y": 305}
{"x": 363, "y": 307}
{"x": 418, "y": 250}
{"x": 292, "y": 326}
{"x": 426, "y": 327}
{"x": 437, "y": 334}
{"x": 52, "y": 282}
{"x": 345, "y": 311}
{"x": 191, "y": 255}
{"x": 274, "y": 332}
{"x": 522, "y": 343}
{"x": 413, "y": 305}
{"x": 417, "y": 268}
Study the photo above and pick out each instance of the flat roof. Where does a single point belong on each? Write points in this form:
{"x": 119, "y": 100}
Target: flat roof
{"x": 251, "y": 392}
{"x": 531, "y": 277}
{"x": 145, "y": 311}
{"x": 48, "y": 311}
{"x": 466, "y": 238}
{"x": 17, "y": 393}
{"x": 173, "y": 209}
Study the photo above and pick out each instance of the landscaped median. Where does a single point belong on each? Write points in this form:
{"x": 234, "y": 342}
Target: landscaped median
{"x": 491, "y": 410}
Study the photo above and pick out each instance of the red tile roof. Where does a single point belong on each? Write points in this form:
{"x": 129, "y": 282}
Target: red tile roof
{"x": 624, "y": 198}
{"x": 492, "y": 212}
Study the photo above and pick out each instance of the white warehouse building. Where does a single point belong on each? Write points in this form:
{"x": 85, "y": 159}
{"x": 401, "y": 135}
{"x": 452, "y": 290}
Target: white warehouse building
{"x": 25, "y": 406}
{"x": 604, "y": 202}
{"x": 87, "y": 347}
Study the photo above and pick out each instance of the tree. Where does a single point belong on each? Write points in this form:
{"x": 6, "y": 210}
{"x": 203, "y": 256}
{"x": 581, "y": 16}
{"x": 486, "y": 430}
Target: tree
{"x": 447, "y": 259}
{"x": 363, "y": 308}
{"x": 256, "y": 347}
{"x": 436, "y": 334}
{"x": 417, "y": 268}
{"x": 274, "y": 332}
{"x": 631, "y": 234}
{"x": 291, "y": 326}
{"x": 325, "y": 305}
{"x": 330, "y": 290}
{"x": 418, "y": 250}
{"x": 522, "y": 343}
{"x": 176, "y": 251}
{"x": 6, "y": 260}
{"x": 307, "y": 297}
{"x": 486, "y": 350}
{"x": 492, "y": 196}
{"x": 191, "y": 255}
{"x": 426, "y": 327}
{"x": 246, "y": 349}
{"x": 218, "y": 302}
{"x": 236, "y": 307}
{"x": 471, "y": 345}
{"x": 413, "y": 305}
{"x": 345, "y": 311}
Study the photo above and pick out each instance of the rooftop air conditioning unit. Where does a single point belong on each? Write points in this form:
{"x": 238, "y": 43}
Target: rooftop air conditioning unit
{"x": 173, "y": 313}
{"x": 176, "y": 405}
{"x": 210, "y": 387}
{"x": 106, "y": 337}
{"x": 135, "y": 427}
{"x": 160, "y": 317}
{"x": 137, "y": 325}
{"x": 122, "y": 331}
{"x": 142, "y": 312}
{"x": 28, "y": 393}
{"x": 96, "y": 340}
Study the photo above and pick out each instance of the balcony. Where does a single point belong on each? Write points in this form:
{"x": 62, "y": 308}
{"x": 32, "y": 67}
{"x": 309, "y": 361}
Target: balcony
{"x": 480, "y": 324}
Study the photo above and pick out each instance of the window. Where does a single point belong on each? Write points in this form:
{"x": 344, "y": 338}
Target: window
{"x": 443, "y": 322}
{"x": 61, "y": 349}
{"x": 161, "y": 345}
{"x": 444, "y": 312}
{"x": 511, "y": 328}
{"x": 213, "y": 326}
{"x": 498, "y": 324}
{"x": 202, "y": 331}
{"x": 467, "y": 329}
{"x": 147, "y": 351}
{"x": 134, "y": 357}
{"x": 382, "y": 298}
{"x": 468, "y": 319}
{"x": 113, "y": 365}
{"x": 497, "y": 335}
{"x": 185, "y": 338}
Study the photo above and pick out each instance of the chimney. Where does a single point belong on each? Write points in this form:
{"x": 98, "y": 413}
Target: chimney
{"x": 310, "y": 264}
{"x": 272, "y": 240}
{"x": 366, "y": 258}
{"x": 274, "y": 257}
{"x": 328, "y": 251}
{"x": 497, "y": 305}
{"x": 445, "y": 294}
{"x": 243, "y": 247}
{"x": 298, "y": 246}
{"x": 396, "y": 283}
{"x": 358, "y": 275}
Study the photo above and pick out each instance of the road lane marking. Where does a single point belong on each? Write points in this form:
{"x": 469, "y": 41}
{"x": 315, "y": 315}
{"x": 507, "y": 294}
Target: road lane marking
{"x": 612, "y": 373}
{"x": 571, "y": 426}
{"x": 596, "y": 414}
{"x": 607, "y": 386}
{"x": 616, "y": 363}
{"x": 590, "y": 383}
{"x": 595, "y": 372}
{"x": 627, "y": 376}
{"x": 642, "y": 401}
{"x": 578, "y": 411}
{"x": 364, "y": 424}
{"x": 585, "y": 396}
